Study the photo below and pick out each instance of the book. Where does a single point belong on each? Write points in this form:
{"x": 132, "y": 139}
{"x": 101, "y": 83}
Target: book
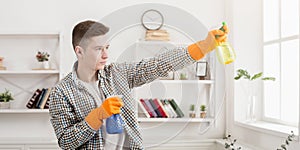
{"x": 159, "y": 108}
{"x": 37, "y": 105}
{"x": 47, "y": 104}
{"x": 169, "y": 108}
{"x": 147, "y": 102}
{"x": 151, "y": 38}
{"x": 155, "y": 107}
{"x": 158, "y": 35}
{"x": 45, "y": 98}
{"x": 34, "y": 98}
{"x": 144, "y": 109}
{"x": 163, "y": 107}
{"x": 176, "y": 108}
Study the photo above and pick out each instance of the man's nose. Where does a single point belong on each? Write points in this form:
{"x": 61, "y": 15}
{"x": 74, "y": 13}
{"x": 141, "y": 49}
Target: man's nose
{"x": 104, "y": 53}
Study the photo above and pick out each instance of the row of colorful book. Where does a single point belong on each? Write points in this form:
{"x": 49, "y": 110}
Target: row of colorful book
{"x": 39, "y": 99}
{"x": 160, "y": 108}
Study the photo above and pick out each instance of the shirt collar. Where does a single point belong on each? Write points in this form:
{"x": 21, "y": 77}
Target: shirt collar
{"x": 74, "y": 75}
{"x": 101, "y": 73}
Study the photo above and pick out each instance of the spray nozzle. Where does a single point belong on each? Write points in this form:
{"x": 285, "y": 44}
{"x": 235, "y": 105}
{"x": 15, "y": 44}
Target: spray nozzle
{"x": 222, "y": 29}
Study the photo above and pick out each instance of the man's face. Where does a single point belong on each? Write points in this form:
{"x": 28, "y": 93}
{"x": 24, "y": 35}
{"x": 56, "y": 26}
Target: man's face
{"x": 94, "y": 54}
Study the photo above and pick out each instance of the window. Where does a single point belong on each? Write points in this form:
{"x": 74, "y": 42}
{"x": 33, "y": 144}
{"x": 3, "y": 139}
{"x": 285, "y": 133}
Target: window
{"x": 281, "y": 60}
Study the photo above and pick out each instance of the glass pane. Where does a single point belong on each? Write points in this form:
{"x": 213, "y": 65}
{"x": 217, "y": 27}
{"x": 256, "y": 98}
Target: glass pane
{"x": 272, "y": 89}
{"x": 289, "y": 17}
{"x": 290, "y": 81}
{"x": 271, "y": 20}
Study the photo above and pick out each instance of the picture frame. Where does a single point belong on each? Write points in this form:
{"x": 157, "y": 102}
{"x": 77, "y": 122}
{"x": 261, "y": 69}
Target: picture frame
{"x": 201, "y": 69}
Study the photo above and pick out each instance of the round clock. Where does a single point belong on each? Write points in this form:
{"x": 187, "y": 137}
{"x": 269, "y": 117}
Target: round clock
{"x": 152, "y": 19}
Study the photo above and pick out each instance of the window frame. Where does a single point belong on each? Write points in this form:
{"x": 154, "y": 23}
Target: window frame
{"x": 279, "y": 41}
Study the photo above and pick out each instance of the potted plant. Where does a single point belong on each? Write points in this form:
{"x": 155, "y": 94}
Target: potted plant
{"x": 5, "y": 99}
{"x": 229, "y": 143}
{"x": 287, "y": 141}
{"x": 1, "y": 63}
{"x": 43, "y": 58}
{"x": 192, "y": 111}
{"x": 202, "y": 111}
{"x": 242, "y": 73}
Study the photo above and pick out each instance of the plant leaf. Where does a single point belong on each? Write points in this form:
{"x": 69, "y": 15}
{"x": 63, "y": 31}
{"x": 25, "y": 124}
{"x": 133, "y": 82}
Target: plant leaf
{"x": 245, "y": 74}
{"x": 237, "y": 77}
{"x": 269, "y": 78}
{"x": 258, "y": 75}
{"x": 227, "y": 145}
{"x": 283, "y": 147}
{"x": 242, "y": 73}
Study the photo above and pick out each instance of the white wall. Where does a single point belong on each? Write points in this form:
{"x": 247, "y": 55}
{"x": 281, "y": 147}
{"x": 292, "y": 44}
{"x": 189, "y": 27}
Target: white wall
{"x": 246, "y": 35}
{"x": 37, "y": 15}
{"x": 63, "y": 15}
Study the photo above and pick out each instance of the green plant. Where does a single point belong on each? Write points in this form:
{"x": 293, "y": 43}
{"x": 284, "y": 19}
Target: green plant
{"x": 6, "y": 96}
{"x": 229, "y": 143}
{"x": 192, "y": 111}
{"x": 192, "y": 107}
{"x": 183, "y": 76}
{"x": 42, "y": 56}
{"x": 202, "y": 108}
{"x": 244, "y": 73}
{"x": 289, "y": 139}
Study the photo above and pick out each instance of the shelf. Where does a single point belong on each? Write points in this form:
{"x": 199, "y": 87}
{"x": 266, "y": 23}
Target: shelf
{"x": 179, "y": 120}
{"x": 187, "y": 81}
{"x": 30, "y": 33}
{"x": 29, "y": 71}
{"x": 28, "y": 111}
{"x": 154, "y": 42}
{"x": 27, "y": 140}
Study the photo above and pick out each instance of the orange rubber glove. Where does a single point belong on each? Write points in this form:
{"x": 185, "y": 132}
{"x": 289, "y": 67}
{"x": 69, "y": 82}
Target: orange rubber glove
{"x": 109, "y": 107}
{"x": 201, "y": 48}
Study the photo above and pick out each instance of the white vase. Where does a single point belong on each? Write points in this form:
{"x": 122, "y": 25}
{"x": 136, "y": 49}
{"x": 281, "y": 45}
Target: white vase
{"x": 4, "y": 105}
{"x": 46, "y": 65}
{"x": 251, "y": 108}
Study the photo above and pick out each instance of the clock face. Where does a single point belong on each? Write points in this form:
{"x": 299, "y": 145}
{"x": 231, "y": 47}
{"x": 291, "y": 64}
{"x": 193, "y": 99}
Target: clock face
{"x": 152, "y": 19}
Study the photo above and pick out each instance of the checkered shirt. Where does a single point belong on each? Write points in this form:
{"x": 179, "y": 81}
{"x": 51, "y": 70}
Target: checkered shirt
{"x": 71, "y": 102}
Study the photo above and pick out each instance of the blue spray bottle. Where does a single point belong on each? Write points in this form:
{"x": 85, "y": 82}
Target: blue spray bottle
{"x": 114, "y": 124}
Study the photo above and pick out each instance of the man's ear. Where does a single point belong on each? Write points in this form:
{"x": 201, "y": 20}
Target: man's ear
{"x": 78, "y": 51}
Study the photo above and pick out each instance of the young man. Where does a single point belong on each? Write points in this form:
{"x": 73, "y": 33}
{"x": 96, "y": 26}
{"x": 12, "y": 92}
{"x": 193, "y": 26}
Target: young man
{"x": 81, "y": 102}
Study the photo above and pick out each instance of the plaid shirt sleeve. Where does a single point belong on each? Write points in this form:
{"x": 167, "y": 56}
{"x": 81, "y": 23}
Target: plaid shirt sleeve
{"x": 150, "y": 69}
{"x": 70, "y": 133}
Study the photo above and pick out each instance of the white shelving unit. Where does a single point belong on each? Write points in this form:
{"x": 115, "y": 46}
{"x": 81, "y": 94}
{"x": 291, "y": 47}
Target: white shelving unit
{"x": 20, "y": 72}
{"x": 23, "y": 111}
{"x": 188, "y": 81}
{"x": 178, "y": 120}
{"x": 184, "y": 92}
{"x": 22, "y": 75}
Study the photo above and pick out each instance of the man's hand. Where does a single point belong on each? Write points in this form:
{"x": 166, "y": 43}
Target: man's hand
{"x": 213, "y": 39}
{"x": 109, "y": 107}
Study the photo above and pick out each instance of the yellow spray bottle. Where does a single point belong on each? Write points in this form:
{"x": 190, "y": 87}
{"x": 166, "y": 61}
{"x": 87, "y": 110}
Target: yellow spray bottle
{"x": 224, "y": 51}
